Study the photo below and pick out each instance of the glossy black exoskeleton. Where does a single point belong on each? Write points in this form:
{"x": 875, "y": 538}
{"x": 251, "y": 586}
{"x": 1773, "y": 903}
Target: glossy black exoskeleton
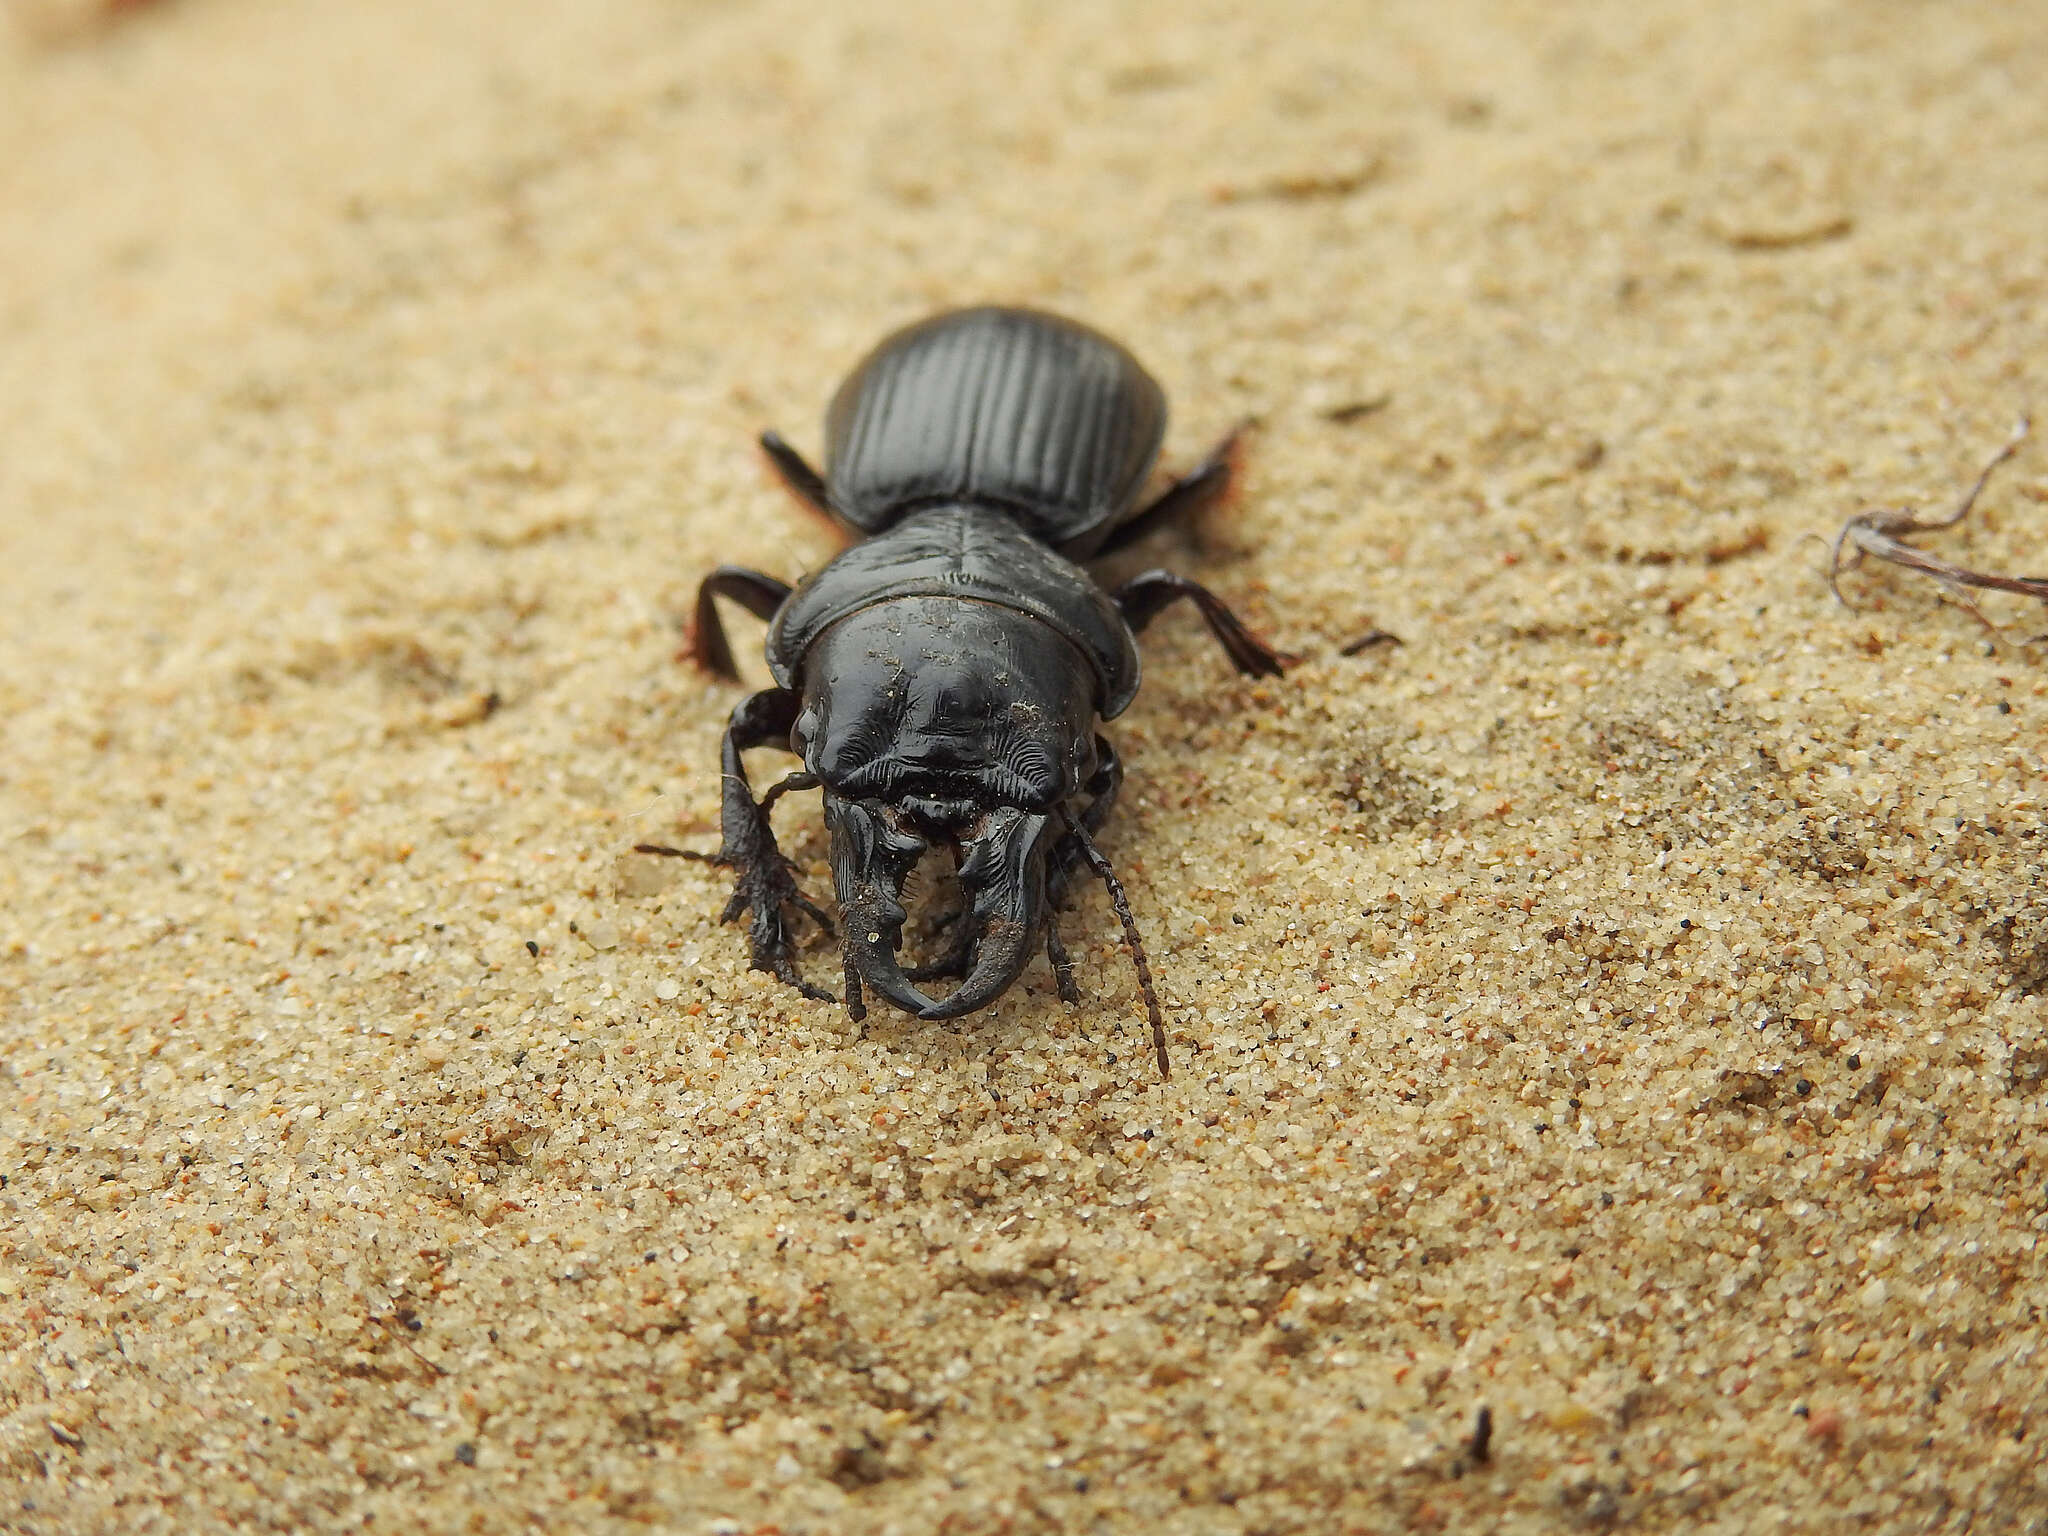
{"x": 942, "y": 679}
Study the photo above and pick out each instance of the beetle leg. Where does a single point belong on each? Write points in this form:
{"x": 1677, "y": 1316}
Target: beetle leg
{"x": 766, "y": 881}
{"x": 1200, "y": 488}
{"x": 800, "y": 780}
{"x": 1143, "y": 596}
{"x": 796, "y": 472}
{"x": 1102, "y": 787}
{"x": 755, "y": 591}
{"x": 1061, "y": 962}
{"x": 815, "y": 913}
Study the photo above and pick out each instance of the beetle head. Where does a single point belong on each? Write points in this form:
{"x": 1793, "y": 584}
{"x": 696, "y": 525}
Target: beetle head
{"x": 938, "y": 722}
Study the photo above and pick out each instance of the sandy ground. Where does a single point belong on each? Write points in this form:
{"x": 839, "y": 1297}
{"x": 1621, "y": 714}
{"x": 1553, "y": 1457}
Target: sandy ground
{"x": 1620, "y": 1007}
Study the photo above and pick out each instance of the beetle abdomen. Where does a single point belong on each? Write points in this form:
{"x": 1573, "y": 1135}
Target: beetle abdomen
{"x": 1045, "y": 418}
{"x": 971, "y": 553}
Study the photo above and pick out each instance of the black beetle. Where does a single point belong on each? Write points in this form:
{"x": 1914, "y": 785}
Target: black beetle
{"x": 942, "y": 678}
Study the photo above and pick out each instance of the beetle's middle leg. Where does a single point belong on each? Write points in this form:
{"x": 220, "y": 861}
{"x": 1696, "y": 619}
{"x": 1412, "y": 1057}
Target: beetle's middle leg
{"x": 756, "y": 591}
{"x": 1143, "y": 596}
{"x": 766, "y": 880}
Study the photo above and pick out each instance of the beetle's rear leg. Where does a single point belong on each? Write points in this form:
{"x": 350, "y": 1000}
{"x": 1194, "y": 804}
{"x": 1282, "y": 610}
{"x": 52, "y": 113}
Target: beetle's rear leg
{"x": 1196, "y": 491}
{"x": 1143, "y": 596}
{"x": 1067, "y": 855}
{"x": 757, "y": 592}
{"x": 766, "y": 881}
{"x": 795, "y": 472}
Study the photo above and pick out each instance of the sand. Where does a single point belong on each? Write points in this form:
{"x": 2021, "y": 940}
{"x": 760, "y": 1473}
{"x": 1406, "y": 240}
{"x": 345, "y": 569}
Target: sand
{"x": 1618, "y": 1007}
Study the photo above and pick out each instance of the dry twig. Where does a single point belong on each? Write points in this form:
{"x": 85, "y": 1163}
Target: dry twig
{"x": 1881, "y": 534}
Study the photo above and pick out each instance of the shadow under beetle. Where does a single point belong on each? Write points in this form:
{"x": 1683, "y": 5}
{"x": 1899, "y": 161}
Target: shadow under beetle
{"x": 942, "y": 678}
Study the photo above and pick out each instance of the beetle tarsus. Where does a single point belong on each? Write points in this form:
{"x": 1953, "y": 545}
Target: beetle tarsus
{"x": 786, "y": 972}
{"x": 816, "y": 914}
{"x": 765, "y": 888}
{"x": 1062, "y": 964}
{"x": 1145, "y": 595}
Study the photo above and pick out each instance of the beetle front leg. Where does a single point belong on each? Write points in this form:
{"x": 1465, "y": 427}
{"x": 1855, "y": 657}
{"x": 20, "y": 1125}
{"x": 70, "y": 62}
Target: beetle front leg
{"x": 1142, "y": 597}
{"x": 766, "y": 880}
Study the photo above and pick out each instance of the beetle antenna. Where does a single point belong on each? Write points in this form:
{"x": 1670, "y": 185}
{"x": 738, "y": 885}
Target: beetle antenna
{"x": 1122, "y": 902}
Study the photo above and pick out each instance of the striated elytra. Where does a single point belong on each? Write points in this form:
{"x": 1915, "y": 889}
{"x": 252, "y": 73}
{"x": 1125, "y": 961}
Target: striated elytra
{"x": 943, "y": 678}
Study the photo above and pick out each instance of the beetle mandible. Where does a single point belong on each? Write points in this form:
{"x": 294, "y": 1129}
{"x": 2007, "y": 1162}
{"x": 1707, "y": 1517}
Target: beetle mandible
{"x": 943, "y": 677}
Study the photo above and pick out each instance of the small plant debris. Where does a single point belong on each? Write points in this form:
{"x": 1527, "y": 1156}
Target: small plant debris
{"x": 1357, "y": 410}
{"x": 1881, "y": 534}
{"x": 1482, "y": 1437}
{"x": 1309, "y": 185}
{"x": 1367, "y": 641}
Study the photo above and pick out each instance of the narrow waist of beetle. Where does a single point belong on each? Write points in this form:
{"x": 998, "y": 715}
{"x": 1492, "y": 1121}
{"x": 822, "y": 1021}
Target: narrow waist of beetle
{"x": 1023, "y": 513}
